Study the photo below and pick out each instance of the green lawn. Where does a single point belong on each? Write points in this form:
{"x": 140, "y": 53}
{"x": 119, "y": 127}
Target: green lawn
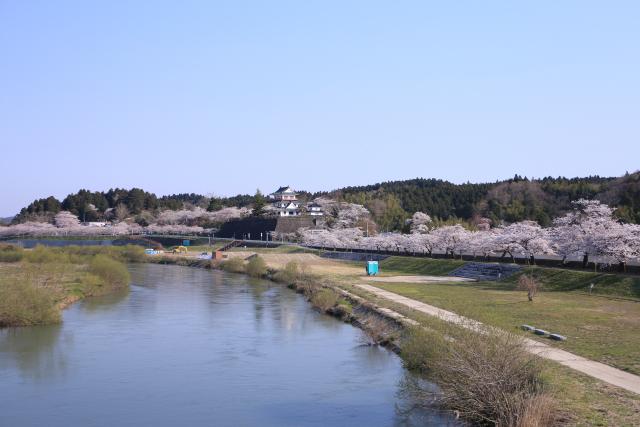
{"x": 557, "y": 279}
{"x": 598, "y": 327}
{"x": 418, "y": 266}
{"x": 552, "y": 279}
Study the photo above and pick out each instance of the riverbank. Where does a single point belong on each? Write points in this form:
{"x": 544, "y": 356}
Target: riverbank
{"x": 194, "y": 346}
{"x": 36, "y": 285}
{"x": 330, "y": 285}
{"x": 579, "y": 399}
{"x": 520, "y": 401}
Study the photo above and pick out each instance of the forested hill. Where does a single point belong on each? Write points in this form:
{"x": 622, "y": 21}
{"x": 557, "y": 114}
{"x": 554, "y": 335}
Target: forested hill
{"x": 390, "y": 203}
{"x": 511, "y": 200}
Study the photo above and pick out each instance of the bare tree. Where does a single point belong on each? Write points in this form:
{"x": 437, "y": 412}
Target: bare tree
{"x": 529, "y": 284}
{"x": 121, "y": 212}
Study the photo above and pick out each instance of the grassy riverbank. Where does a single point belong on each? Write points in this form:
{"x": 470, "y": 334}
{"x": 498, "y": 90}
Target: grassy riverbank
{"x": 35, "y": 285}
{"x": 576, "y": 399}
{"x": 603, "y": 326}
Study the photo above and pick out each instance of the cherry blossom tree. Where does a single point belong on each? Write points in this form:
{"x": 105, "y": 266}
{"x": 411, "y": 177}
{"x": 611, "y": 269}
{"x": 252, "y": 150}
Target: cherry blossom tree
{"x": 176, "y": 229}
{"x": 587, "y": 220}
{"x": 420, "y": 222}
{"x": 29, "y": 229}
{"x": 193, "y": 216}
{"x": 481, "y": 242}
{"x": 619, "y": 243}
{"x": 337, "y": 238}
{"x": 342, "y": 214}
{"x": 65, "y": 219}
{"x": 451, "y": 238}
{"x": 525, "y": 238}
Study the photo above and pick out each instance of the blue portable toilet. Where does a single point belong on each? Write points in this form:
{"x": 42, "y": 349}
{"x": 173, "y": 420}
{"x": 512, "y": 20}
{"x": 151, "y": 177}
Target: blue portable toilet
{"x": 372, "y": 268}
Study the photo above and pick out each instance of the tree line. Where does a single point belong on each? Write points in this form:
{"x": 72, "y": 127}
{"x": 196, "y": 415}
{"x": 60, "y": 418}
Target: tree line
{"x": 513, "y": 200}
{"x": 391, "y": 203}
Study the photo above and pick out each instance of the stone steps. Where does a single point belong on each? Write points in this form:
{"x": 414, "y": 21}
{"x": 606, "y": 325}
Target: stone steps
{"x": 228, "y": 246}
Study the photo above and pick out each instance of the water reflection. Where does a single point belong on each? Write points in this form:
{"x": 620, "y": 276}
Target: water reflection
{"x": 33, "y": 352}
{"x": 103, "y": 303}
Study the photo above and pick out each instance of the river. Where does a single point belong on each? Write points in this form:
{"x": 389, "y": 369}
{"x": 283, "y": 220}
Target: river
{"x": 187, "y": 346}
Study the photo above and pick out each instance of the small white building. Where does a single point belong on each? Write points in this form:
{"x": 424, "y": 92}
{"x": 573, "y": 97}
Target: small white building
{"x": 314, "y": 209}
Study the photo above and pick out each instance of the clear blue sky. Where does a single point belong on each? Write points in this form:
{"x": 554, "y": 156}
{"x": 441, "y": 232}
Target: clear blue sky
{"x": 225, "y": 97}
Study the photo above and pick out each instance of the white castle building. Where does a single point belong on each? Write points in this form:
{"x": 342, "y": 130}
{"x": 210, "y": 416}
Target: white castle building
{"x": 286, "y": 203}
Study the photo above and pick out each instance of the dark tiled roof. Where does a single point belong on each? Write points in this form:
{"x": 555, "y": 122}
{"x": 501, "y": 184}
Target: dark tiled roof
{"x": 283, "y": 189}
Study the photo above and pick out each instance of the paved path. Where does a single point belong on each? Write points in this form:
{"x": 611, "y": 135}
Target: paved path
{"x": 594, "y": 369}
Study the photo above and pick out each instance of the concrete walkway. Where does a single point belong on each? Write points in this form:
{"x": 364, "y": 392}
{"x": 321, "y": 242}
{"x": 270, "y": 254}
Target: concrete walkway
{"x": 594, "y": 369}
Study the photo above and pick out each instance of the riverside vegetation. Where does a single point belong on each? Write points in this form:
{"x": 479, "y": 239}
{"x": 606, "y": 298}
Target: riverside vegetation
{"x": 487, "y": 379}
{"x": 35, "y": 285}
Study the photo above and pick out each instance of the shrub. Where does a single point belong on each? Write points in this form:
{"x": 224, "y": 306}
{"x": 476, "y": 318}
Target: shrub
{"x": 132, "y": 253}
{"x": 112, "y": 272}
{"x": 489, "y": 378}
{"x": 291, "y": 273}
{"x": 80, "y": 254}
{"x": 418, "y": 348}
{"x": 11, "y": 253}
{"x": 41, "y": 254}
{"x": 256, "y": 267}
{"x": 538, "y": 411}
{"x": 324, "y": 299}
{"x": 24, "y": 303}
{"x": 233, "y": 265}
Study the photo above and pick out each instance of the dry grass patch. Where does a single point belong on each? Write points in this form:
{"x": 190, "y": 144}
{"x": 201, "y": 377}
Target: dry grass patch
{"x": 256, "y": 267}
{"x": 489, "y": 378}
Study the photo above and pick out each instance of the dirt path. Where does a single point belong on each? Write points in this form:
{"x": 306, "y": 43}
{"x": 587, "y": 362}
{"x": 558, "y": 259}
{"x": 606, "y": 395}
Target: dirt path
{"x": 594, "y": 369}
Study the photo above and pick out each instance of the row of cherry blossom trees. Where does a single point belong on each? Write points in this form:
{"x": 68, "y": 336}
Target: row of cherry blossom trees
{"x": 588, "y": 230}
{"x": 67, "y": 224}
{"x": 197, "y": 215}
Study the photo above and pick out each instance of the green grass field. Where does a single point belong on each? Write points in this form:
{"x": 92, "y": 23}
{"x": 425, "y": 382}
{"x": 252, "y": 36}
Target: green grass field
{"x": 552, "y": 279}
{"x": 418, "y": 266}
{"x": 603, "y": 326}
{"x": 597, "y": 327}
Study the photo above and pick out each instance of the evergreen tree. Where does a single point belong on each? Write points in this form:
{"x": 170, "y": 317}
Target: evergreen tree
{"x": 259, "y": 203}
{"x": 215, "y": 204}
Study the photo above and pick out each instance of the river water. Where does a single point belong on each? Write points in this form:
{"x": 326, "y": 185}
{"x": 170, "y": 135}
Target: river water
{"x": 194, "y": 347}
